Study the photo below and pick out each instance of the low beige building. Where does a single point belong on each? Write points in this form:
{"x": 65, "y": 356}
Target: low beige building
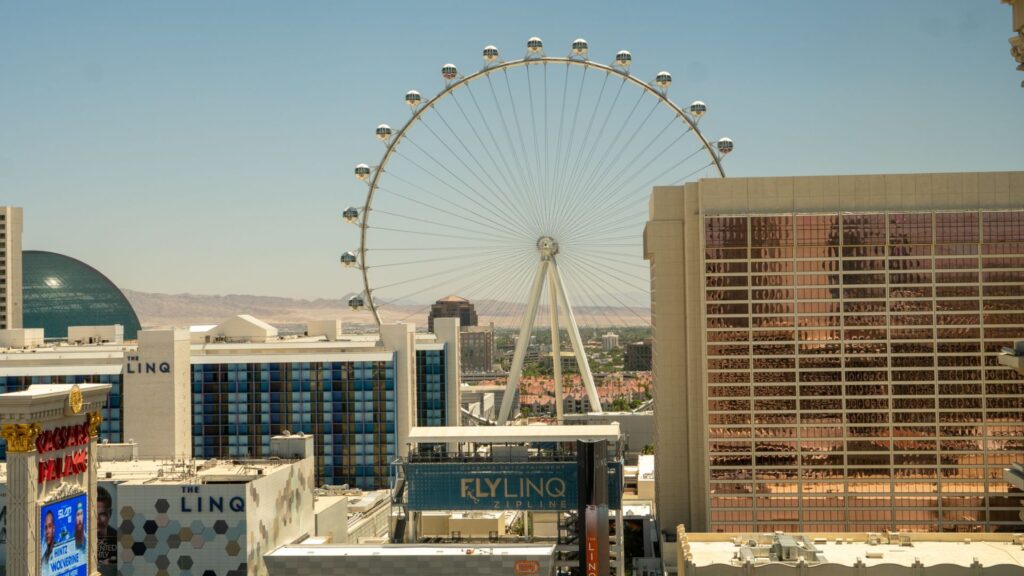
{"x": 844, "y": 554}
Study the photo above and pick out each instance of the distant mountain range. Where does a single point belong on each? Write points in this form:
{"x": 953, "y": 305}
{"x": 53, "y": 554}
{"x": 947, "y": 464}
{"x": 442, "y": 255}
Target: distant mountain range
{"x": 189, "y": 309}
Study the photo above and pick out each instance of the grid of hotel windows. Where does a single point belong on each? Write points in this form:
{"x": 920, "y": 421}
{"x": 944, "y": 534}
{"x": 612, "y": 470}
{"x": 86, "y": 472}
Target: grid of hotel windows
{"x": 852, "y": 378}
{"x": 349, "y": 408}
{"x": 431, "y": 392}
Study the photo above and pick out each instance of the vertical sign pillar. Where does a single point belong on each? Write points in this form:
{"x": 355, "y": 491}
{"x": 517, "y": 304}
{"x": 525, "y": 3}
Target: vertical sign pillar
{"x": 592, "y": 480}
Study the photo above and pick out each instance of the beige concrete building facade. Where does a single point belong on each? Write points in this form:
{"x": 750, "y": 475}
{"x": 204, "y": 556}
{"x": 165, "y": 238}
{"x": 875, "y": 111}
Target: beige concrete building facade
{"x": 826, "y": 352}
{"x": 10, "y": 267}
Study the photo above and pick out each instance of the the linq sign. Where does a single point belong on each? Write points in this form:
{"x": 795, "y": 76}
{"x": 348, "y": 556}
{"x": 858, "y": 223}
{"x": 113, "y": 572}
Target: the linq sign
{"x": 499, "y": 486}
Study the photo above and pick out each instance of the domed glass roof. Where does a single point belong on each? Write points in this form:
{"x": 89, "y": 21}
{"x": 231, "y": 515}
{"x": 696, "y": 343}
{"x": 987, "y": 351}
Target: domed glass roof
{"x": 59, "y": 291}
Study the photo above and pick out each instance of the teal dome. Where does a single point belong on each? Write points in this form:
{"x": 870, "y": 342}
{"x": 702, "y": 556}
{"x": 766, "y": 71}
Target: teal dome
{"x": 59, "y": 291}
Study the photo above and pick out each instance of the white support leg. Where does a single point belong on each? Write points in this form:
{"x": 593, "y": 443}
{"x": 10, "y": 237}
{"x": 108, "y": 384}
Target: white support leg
{"x": 577, "y": 342}
{"x": 556, "y": 346}
{"x": 516, "y": 371}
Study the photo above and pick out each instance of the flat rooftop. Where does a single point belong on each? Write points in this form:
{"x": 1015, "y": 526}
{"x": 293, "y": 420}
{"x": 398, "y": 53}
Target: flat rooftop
{"x": 931, "y": 549}
{"x": 432, "y": 550}
{"x": 198, "y": 472}
{"x": 513, "y": 434}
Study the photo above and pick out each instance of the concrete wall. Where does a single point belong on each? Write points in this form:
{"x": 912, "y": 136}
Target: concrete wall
{"x": 447, "y": 331}
{"x": 281, "y": 512}
{"x": 21, "y": 338}
{"x": 157, "y": 395}
{"x": 401, "y": 338}
{"x": 113, "y": 333}
{"x": 331, "y": 329}
{"x": 332, "y": 518}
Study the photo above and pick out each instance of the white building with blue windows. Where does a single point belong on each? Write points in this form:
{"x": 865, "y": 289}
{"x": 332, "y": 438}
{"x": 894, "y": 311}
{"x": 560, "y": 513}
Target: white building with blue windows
{"x": 223, "y": 391}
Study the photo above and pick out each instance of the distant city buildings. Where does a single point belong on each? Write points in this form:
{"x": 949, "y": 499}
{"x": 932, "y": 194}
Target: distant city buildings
{"x": 826, "y": 352}
{"x": 10, "y": 267}
{"x": 609, "y": 342}
{"x": 453, "y": 307}
{"x": 478, "y": 348}
{"x": 638, "y": 356}
{"x": 223, "y": 391}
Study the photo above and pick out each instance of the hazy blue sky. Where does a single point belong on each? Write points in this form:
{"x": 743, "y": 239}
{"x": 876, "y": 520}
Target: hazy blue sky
{"x": 208, "y": 147}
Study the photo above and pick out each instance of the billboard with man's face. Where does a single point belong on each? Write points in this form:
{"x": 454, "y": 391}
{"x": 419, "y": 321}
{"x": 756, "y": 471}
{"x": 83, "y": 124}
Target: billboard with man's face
{"x": 64, "y": 538}
{"x": 106, "y": 528}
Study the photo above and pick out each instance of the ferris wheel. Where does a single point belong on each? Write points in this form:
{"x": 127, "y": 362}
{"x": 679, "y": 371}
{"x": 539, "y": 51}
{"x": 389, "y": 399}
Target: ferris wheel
{"x": 526, "y": 173}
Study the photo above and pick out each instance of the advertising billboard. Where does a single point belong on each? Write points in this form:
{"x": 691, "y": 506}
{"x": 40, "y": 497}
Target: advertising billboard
{"x": 106, "y": 531}
{"x": 500, "y": 485}
{"x": 3, "y": 524}
{"x": 64, "y": 543}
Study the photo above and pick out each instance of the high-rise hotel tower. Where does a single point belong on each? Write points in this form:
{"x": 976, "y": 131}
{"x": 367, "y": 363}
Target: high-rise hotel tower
{"x": 825, "y": 352}
{"x": 10, "y": 267}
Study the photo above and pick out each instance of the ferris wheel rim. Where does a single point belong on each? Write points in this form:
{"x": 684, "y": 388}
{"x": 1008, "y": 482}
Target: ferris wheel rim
{"x": 491, "y": 67}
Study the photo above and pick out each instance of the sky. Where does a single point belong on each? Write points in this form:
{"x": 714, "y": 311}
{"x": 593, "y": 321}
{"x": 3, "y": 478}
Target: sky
{"x": 208, "y": 147}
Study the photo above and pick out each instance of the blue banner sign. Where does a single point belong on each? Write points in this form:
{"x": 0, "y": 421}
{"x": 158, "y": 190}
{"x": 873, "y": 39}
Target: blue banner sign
{"x": 500, "y": 485}
{"x": 64, "y": 537}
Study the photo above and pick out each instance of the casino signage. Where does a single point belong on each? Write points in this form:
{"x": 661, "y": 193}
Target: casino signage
{"x": 59, "y": 439}
{"x": 536, "y": 486}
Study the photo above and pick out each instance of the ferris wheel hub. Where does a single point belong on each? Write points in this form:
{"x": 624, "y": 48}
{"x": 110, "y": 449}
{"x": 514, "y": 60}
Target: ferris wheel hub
{"x": 547, "y": 247}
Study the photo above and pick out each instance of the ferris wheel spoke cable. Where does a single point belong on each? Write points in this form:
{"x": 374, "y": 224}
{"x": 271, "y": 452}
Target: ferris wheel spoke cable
{"x": 496, "y": 189}
{"x": 600, "y": 174}
{"x": 572, "y": 199}
{"x": 519, "y": 184}
{"x": 605, "y": 256}
{"x": 595, "y": 280}
{"x": 591, "y": 302}
{"x": 469, "y": 290}
{"x": 421, "y": 233}
{"x": 561, "y": 125}
{"x": 562, "y": 169}
{"x": 569, "y": 180}
{"x": 492, "y": 207}
{"x": 617, "y": 141}
{"x": 610, "y": 184}
{"x": 531, "y": 172}
{"x": 547, "y": 154}
{"x": 454, "y": 189}
{"x": 485, "y": 233}
{"x": 619, "y": 275}
{"x": 538, "y": 167}
{"x": 462, "y": 248}
{"x": 687, "y": 177}
{"x": 500, "y": 304}
{"x": 574, "y": 189}
{"x": 607, "y": 190}
{"x": 530, "y": 191}
{"x": 610, "y": 199}
{"x": 596, "y": 259}
{"x": 591, "y": 232}
{"x": 520, "y": 153}
{"x": 487, "y": 268}
{"x": 459, "y": 257}
{"x": 513, "y": 190}
{"x": 435, "y": 207}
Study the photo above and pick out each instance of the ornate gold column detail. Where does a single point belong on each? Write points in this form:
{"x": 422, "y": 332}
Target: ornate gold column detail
{"x": 1017, "y": 41}
{"x": 94, "y": 423}
{"x": 20, "y": 437}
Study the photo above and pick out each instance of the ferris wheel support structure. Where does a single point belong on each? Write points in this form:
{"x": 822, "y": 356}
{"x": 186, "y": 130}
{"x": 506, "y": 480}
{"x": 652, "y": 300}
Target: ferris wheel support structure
{"x": 506, "y": 234}
{"x": 547, "y": 248}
